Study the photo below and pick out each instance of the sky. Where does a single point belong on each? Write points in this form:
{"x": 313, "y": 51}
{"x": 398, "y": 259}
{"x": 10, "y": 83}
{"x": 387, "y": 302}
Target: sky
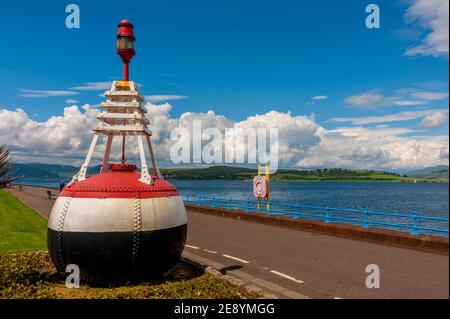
{"x": 341, "y": 94}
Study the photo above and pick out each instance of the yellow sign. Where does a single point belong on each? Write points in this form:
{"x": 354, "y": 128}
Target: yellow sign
{"x": 123, "y": 83}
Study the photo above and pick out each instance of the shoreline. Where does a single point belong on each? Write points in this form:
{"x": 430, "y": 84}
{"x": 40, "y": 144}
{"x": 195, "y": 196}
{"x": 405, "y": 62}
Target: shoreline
{"x": 55, "y": 191}
{"x": 288, "y": 181}
{"x": 322, "y": 181}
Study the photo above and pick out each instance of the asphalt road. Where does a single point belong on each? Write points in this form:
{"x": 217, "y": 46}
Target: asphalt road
{"x": 314, "y": 265}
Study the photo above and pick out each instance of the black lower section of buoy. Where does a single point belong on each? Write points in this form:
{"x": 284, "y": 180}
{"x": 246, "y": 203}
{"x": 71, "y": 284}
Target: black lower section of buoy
{"x": 117, "y": 256}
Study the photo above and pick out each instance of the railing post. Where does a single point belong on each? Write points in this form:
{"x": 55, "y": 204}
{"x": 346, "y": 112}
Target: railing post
{"x": 414, "y": 230}
{"x": 229, "y": 203}
{"x": 366, "y": 219}
{"x": 246, "y": 208}
{"x": 327, "y": 215}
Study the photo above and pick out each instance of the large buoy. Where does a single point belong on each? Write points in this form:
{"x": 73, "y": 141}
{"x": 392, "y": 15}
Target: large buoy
{"x": 119, "y": 224}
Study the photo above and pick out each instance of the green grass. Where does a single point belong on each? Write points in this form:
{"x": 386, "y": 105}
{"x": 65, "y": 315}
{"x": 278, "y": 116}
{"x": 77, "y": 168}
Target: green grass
{"x": 21, "y": 228}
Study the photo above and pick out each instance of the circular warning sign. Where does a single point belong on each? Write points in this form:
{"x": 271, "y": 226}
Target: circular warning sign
{"x": 260, "y": 187}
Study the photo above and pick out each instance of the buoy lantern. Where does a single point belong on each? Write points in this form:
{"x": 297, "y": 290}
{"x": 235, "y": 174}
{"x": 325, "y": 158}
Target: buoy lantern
{"x": 119, "y": 224}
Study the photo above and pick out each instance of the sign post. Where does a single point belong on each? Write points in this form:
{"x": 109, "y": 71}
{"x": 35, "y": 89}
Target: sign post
{"x": 259, "y": 198}
{"x": 268, "y": 189}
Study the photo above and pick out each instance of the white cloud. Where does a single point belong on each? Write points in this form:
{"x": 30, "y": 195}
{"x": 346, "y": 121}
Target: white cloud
{"x": 368, "y": 100}
{"x": 164, "y": 98}
{"x": 409, "y": 102}
{"x": 71, "y": 101}
{"x": 375, "y": 99}
{"x": 319, "y": 97}
{"x": 302, "y": 142}
{"x": 44, "y": 93}
{"x": 58, "y": 137}
{"x": 403, "y": 116}
{"x": 430, "y": 96}
{"x": 93, "y": 86}
{"x": 376, "y": 148}
{"x": 407, "y": 34}
{"x": 435, "y": 119}
{"x": 432, "y": 15}
{"x": 296, "y": 134}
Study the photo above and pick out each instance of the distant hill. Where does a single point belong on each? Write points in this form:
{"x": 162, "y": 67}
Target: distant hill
{"x": 326, "y": 174}
{"x": 46, "y": 171}
{"x": 56, "y": 172}
{"x": 437, "y": 172}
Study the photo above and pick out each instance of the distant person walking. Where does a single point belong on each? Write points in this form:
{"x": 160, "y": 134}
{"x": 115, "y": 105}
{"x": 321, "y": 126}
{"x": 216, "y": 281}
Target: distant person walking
{"x": 61, "y": 185}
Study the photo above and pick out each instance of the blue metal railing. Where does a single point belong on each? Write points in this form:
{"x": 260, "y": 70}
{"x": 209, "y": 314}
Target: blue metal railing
{"x": 415, "y": 224}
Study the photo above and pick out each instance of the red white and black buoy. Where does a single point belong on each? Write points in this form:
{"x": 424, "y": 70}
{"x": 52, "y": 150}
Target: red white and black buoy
{"x": 119, "y": 224}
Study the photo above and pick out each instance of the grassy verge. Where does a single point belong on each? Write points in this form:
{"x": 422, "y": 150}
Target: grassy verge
{"x": 21, "y": 228}
{"x": 32, "y": 275}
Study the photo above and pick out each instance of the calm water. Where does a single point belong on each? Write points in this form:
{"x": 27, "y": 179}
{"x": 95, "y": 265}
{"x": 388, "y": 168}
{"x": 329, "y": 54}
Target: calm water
{"x": 429, "y": 199}
{"x": 424, "y": 198}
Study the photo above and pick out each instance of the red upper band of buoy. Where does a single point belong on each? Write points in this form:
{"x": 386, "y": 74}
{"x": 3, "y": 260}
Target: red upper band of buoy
{"x": 118, "y": 184}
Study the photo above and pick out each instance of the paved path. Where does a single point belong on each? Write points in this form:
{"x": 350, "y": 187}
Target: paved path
{"x": 327, "y": 266}
{"x": 35, "y": 197}
{"x": 292, "y": 263}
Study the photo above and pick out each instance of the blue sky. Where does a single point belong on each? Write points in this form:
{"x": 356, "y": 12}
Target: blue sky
{"x": 236, "y": 57}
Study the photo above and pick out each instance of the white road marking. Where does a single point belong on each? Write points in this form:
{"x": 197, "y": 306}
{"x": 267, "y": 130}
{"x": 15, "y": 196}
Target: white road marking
{"x": 210, "y": 251}
{"x": 286, "y": 276}
{"x": 193, "y": 247}
{"x": 235, "y": 258}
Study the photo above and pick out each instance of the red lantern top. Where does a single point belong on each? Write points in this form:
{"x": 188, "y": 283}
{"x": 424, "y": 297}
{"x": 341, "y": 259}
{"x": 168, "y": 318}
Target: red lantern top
{"x": 125, "y": 45}
{"x": 125, "y": 29}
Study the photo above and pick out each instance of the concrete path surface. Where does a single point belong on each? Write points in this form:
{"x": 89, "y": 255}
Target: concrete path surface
{"x": 35, "y": 197}
{"x": 295, "y": 264}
